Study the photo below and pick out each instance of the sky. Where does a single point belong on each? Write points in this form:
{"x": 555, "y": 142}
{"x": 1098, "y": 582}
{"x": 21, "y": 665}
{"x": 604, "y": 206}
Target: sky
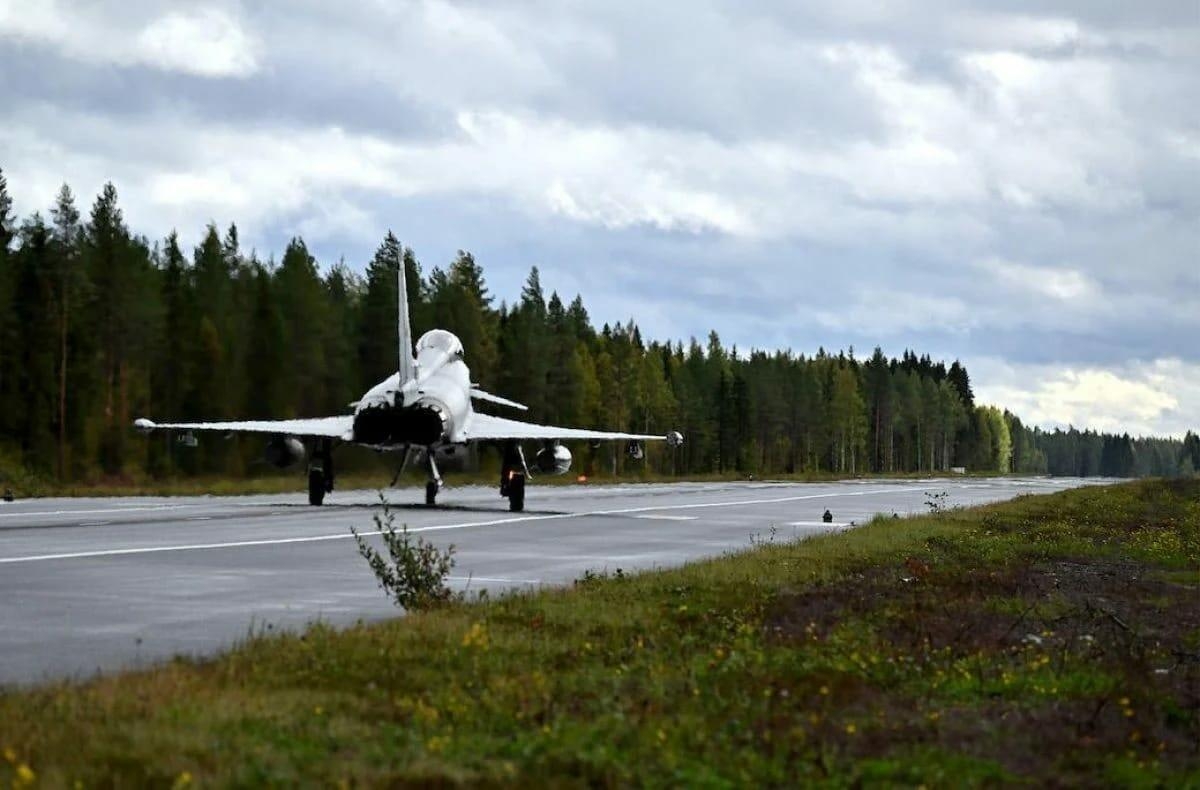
{"x": 1015, "y": 185}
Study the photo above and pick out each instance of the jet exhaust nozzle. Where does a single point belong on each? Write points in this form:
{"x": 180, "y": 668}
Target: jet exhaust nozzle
{"x": 420, "y": 425}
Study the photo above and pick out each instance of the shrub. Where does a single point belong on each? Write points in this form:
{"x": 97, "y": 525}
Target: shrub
{"x": 415, "y": 576}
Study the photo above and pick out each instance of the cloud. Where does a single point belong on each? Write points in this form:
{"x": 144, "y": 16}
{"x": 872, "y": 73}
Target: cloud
{"x": 890, "y": 313}
{"x": 1059, "y": 284}
{"x": 201, "y": 41}
{"x": 207, "y": 43}
{"x": 1143, "y": 398}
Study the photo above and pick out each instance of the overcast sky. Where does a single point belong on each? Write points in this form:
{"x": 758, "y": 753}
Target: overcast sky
{"x": 1019, "y": 189}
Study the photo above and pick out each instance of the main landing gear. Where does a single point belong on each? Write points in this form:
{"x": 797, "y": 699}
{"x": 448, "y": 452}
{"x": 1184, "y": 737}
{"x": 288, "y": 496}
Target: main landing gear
{"x": 513, "y": 472}
{"x": 320, "y": 472}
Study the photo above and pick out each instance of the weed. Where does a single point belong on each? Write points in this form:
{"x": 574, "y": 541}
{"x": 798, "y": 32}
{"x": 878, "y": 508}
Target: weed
{"x": 758, "y": 541}
{"x": 594, "y": 578}
{"x": 415, "y": 578}
{"x": 936, "y": 501}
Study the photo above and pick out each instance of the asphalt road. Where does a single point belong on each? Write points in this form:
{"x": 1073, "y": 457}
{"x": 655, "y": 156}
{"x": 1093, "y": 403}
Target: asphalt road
{"x": 92, "y": 585}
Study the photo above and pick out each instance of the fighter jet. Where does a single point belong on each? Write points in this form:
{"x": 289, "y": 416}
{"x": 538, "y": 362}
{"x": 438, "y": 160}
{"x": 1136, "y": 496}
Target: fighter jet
{"x": 424, "y": 409}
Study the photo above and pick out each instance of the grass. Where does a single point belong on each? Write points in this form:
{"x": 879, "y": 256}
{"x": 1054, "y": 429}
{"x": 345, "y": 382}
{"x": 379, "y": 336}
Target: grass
{"x": 1049, "y": 640}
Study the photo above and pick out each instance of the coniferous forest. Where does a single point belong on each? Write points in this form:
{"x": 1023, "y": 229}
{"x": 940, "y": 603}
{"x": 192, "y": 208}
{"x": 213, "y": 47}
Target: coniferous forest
{"x": 99, "y": 325}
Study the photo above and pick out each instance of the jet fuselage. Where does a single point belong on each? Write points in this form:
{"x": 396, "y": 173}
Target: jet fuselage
{"x": 433, "y": 408}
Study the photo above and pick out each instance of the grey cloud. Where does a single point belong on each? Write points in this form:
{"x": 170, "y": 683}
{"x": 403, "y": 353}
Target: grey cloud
{"x": 36, "y": 75}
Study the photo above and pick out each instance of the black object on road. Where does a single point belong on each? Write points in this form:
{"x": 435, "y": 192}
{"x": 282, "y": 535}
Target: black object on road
{"x": 828, "y": 517}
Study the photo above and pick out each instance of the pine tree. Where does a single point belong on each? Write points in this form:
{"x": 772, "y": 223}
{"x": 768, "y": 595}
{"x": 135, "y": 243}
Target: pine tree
{"x": 880, "y": 396}
{"x": 123, "y": 315}
{"x": 952, "y": 419}
{"x": 377, "y": 352}
{"x": 213, "y": 283}
{"x": 305, "y": 312}
{"x": 1191, "y": 450}
{"x": 71, "y": 287}
{"x": 565, "y": 406}
{"x": 178, "y": 361}
{"x": 341, "y": 369}
{"x": 848, "y": 420}
{"x": 580, "y": 323}
{"x": 34, "y": 313}
{"x": 264, "y": 362}
{"x": 471, "y": 318}
{"x": 525, "y": 348}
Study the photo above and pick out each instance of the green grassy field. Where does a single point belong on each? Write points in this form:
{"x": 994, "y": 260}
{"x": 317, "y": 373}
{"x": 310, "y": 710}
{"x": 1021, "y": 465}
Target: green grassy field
{"x": 1049, "y": 640}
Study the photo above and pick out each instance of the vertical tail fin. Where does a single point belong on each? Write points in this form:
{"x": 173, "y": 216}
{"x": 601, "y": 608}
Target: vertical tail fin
{"x": 408, "y": 365}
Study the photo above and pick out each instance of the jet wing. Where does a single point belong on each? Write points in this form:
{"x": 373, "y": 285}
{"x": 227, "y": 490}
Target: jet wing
{"x": 341, "y": 427}
{"x": 485, "y": 426}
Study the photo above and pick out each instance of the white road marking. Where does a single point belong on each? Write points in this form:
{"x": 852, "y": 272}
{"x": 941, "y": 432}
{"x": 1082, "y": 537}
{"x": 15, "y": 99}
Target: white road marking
{"x": 830, "y": 524}
{"x": 27, "y": 513}
{"x": 437, "y": 528}
{"x": 664, "y": 517}
{"x": 94, "y": 523}
{"x": 492, "y": 579}
{"x": 200, "y": 518}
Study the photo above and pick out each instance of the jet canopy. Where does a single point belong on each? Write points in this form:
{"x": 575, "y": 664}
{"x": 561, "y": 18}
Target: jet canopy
{"x": 440, "y": 340}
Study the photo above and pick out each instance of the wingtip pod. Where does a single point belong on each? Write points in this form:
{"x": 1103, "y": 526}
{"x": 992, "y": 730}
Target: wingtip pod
{"x": 674, "y": 439}
{"x": 144, "y": 425}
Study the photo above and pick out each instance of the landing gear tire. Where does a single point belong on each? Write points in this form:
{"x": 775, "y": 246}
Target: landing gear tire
{"x": 316, "y": 487}
{"x": 431, "y": 492}
{"x": 516, "y": 493}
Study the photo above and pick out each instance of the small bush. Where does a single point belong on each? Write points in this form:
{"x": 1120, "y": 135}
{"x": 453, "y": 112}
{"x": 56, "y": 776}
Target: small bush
{"x": 415, "y": 577}
{"x": 936, "y": 501}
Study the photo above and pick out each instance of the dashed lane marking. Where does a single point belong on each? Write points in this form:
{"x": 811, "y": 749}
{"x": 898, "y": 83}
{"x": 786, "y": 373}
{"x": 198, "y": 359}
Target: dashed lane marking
{"x": 664, "y": 517}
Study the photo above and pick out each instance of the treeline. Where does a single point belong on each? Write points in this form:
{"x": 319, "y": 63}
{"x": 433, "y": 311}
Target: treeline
{"x": 1087, "y": 453}
{"x": 99, "y": 325}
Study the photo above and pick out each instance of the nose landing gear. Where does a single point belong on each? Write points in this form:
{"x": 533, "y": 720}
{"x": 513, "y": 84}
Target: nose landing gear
{"x": 435, "y": 480}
